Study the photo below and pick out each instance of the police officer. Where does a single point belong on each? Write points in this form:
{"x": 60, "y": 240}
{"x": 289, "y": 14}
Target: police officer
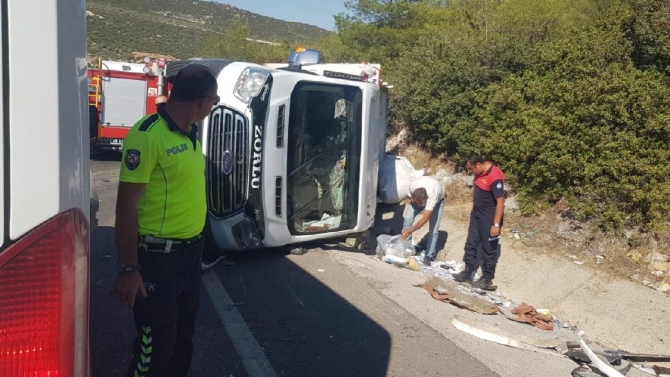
{"x": 160, "y": 215}
{"x": 160, "y": 101}
{"x": 486, "y": 219}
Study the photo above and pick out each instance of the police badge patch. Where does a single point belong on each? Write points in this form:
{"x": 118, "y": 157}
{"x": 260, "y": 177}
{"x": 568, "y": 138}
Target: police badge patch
{"x": 132, "y": 159}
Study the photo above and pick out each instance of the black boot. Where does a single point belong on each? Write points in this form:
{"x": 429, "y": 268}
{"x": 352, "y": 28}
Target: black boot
{"x": 485, "y": 283}
{"x": 464, "y": 276}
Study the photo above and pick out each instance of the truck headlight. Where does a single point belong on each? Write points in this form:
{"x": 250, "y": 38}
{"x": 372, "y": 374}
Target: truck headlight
{"x": 246, "y": 236}
{"x": 250, "y": 83}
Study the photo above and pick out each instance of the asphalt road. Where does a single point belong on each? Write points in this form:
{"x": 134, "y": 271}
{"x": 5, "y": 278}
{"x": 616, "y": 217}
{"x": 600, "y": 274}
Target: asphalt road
{"x": 266, "y": 313}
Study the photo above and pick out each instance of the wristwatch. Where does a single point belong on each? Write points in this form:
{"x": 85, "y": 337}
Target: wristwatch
{"x": 127, "y": 268}
{"x": 496, "y": 225}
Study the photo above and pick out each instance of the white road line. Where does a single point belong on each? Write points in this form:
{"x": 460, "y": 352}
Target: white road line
{"x": 248, "y": 349}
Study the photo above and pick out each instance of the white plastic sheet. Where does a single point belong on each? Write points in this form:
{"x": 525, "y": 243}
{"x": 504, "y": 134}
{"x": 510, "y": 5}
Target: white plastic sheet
{"x": 394, "y": 246}
{"x": 395, "y": 175}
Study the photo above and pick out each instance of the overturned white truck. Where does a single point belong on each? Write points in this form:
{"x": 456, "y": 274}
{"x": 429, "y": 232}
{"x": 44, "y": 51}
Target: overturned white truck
{"x": 293, "y": 150}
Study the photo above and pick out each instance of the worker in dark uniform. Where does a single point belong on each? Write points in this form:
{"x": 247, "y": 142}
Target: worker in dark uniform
{"x": 93, "y": 122}
{"x": 160, "y": 215}
{"x": 486, "y": 220}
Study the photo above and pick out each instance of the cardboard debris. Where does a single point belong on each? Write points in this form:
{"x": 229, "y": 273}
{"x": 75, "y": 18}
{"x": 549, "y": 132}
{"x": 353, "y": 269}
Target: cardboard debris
{"x": 528, "y": 314}
{"x": 444, "y": 291}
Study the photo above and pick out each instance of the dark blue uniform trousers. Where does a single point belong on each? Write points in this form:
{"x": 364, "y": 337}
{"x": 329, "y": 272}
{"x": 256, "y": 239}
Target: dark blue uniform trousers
{"x": 165, "y": 319}
{"x": 479, "y": 251}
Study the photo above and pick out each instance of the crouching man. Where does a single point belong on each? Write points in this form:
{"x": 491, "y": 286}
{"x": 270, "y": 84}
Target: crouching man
{"x": 427, "y": 196}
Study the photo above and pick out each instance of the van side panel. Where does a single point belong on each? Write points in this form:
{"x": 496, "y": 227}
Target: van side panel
{"x": 48, "y": 139}
{"x": 3, "y": 137}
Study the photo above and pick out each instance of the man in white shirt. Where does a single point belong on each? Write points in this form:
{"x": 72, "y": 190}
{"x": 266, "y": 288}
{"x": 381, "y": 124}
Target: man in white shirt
{"x": 427, "y": 196}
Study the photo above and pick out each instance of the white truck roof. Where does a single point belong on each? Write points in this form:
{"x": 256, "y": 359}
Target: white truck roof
{"x": 342, "y": 70}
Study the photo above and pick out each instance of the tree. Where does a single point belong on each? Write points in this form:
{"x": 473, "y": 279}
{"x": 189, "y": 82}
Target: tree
{"x": 380, "y": 29}
{"x": 650, "y": 33}
{"x": 236, "y": 44}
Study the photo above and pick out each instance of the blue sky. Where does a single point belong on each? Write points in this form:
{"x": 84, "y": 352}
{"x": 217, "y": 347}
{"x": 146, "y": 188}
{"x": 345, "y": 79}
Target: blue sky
{"x": 315, "y": 12}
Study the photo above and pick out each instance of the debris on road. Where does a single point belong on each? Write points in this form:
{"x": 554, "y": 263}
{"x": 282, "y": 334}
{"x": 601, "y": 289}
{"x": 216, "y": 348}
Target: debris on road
{"x": 584, "y": 371}
{"x": 497, "y": 335}
{"x": 528, "y": 314}
{"x": 441, "y": 286}
{"x": 413, "y": 264}
{"x": 393, "y": 250}
{"x": 443, "y": 291}
{"x": 206, "y": 266}
{"x": 393, "y": 246}
{"x": 603, "y": 367}
{"x": 298, "y": 251}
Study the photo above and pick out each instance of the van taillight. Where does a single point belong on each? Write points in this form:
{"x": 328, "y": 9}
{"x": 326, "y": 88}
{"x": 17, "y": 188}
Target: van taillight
{"x": 44, "y": 300}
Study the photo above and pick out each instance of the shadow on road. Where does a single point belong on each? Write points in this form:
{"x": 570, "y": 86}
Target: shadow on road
{"x": 104, "y": 155}
{"x": 304, "y": 327}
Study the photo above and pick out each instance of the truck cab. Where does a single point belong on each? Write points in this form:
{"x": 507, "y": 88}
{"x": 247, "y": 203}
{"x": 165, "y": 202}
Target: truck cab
{"x": 292, "y": 153}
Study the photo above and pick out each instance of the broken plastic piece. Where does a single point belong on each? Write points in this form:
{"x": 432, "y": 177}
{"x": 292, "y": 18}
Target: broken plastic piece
{"x": 498, "y": 335}
{"x": 663, "y": 287}
{"x": 638, "y": 356}
{"x": 584, "y": 371}
{"x": 298, "y": 251}
{"x": 206, "y": 266}
{"x": 596, "y": 362}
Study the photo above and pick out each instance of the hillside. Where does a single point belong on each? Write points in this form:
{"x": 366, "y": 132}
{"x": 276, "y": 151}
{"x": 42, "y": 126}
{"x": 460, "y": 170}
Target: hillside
{"x": 180, "y": 28}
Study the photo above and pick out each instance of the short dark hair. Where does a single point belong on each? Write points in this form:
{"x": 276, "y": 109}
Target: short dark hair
{"x": 192, "y": 82}
{"x": 420, "y": 195}
{"x": 476, "y": 159}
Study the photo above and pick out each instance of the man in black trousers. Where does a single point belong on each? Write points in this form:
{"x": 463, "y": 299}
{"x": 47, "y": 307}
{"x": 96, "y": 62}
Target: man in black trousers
{"x": 485, "y": 222}
{"x": 160, "y": 215}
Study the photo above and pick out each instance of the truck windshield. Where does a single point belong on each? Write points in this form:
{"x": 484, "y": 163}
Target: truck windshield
{"x": 324, "y": 150}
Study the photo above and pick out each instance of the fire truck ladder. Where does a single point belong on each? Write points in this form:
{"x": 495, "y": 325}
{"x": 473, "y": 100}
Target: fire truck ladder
{"x": 95, "y": 86}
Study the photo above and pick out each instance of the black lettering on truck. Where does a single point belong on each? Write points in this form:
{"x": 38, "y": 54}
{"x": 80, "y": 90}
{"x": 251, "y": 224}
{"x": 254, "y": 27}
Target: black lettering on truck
{"x": 257, "y": 158}
{"x": 253, "y": 208}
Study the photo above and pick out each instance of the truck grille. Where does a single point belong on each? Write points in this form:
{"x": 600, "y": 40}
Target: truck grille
{"x": 228, "y": 161}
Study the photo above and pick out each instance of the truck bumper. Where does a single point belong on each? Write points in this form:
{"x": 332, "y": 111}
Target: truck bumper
{"x": 234, "y": 233}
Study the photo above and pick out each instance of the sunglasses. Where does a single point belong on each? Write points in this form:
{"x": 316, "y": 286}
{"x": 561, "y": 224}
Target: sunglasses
{"x": 216, "y": 99}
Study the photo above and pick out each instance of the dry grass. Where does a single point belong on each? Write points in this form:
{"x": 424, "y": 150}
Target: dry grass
{"x": 458, "y": 193}
{"x": 552, "y": 233}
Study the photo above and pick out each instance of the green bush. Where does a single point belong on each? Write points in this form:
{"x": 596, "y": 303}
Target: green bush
{"x": 571, "y": 98}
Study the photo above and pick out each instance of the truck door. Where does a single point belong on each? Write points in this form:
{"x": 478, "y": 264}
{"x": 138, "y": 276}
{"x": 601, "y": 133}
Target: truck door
{"x": 324, "y": 136}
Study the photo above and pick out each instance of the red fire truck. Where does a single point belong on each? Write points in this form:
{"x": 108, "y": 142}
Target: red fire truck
{"x": 122, "y": 93}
